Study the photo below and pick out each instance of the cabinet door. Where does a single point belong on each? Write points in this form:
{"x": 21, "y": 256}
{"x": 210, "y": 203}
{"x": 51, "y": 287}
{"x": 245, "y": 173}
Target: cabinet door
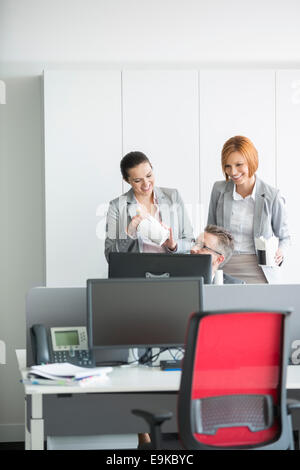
{"x": 235, "y": 103}
{"x": 161, "y": 119}
{"x": 288, "y": 161}
{"x": 83, "y": 147}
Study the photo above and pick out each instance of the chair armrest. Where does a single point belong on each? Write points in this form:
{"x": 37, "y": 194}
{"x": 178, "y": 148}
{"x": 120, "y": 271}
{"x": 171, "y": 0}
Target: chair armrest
{"x": 155, "y": 418}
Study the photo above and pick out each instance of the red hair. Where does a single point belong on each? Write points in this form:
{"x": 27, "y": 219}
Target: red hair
{"x": 245, "y": 147}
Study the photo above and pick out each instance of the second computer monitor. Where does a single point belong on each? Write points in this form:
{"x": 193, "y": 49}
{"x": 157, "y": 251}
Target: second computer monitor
{"x": 126, "y": 313}
{"x": 159, "y": 265}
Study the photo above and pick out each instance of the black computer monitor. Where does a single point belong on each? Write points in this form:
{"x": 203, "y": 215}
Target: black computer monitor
{"x": 125, "y": 313}
{"x": 160, "y": 265}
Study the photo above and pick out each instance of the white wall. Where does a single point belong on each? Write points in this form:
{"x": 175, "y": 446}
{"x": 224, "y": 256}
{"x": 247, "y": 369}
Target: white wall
{"x": 211, "y": 31}
{"x": 39, "y": 34}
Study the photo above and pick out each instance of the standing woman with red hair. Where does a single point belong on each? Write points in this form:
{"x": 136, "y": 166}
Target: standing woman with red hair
{"x": 247, "y": 207}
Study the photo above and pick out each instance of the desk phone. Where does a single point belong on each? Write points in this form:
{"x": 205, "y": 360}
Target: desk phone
{"x": 61, "y": 344}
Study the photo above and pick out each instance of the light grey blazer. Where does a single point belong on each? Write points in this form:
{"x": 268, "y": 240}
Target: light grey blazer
{"x": 269, "y": 211}
{"x": 122, "y": 209}
{"x": 227, "y": 279}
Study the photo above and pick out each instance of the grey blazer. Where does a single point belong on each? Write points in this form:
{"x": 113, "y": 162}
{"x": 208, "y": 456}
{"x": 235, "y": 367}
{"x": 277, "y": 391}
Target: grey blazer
{"x": 269, "y": 211}
{"x": 122, "y": 209}
{"x": 227, "y": 279}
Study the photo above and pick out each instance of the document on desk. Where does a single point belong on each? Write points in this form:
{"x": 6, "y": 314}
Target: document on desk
{"x": 70, "y": 373}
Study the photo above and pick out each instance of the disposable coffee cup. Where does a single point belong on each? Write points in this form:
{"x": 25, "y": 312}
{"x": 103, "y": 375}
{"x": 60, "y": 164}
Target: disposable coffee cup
{"x": 218, "y": 277}
{"x": 262, "y": 258}
{"x": 266, "y": 250}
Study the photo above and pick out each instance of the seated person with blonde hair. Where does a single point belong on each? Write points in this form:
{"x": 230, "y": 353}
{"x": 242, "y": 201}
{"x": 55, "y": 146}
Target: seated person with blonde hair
{"x": 219, "y": 243}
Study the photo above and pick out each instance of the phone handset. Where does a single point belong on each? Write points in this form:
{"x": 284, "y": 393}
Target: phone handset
{"x": 40, "y": 344}
{"x": 61, "y": 344}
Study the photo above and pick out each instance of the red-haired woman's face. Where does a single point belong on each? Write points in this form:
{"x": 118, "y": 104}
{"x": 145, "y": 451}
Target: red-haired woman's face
{"x": 236, "y": 168}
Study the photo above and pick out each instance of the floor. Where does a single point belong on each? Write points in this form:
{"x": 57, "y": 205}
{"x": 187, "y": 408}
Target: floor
{"x": 12, "y": 446}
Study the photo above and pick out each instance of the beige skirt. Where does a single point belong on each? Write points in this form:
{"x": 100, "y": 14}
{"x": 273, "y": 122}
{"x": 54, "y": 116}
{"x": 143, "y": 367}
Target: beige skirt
{"x": 246, "y": 268}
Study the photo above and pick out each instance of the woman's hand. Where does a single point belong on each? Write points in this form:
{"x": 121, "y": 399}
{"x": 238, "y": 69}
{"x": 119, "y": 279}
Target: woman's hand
{"x": 170, "y": 242}
{"x": 278, "y": 257}
{"x": 135, "y": 222}
{"x": 195, "y": 250}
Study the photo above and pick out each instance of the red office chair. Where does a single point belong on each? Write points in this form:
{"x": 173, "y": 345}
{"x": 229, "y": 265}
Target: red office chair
{"x": 233, "y": 385}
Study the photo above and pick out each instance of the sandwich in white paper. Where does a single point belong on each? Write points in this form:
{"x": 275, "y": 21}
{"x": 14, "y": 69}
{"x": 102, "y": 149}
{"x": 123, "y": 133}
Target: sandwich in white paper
{"x": 149, "y": 228}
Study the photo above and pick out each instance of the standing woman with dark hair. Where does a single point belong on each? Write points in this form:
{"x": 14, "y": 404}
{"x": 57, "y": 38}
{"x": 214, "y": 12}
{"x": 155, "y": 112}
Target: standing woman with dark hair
{"x": 247, "y": 207}
{"x": 145, "y": 200}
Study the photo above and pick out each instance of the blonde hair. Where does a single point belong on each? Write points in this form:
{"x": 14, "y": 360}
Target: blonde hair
{"x": 225, "y": 241}
{"x": 245, "y": 147}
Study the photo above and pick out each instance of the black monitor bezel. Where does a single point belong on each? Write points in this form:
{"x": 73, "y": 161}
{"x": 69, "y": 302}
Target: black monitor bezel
{"x": 130, "y": 261}
{"x": 90, "y": 282}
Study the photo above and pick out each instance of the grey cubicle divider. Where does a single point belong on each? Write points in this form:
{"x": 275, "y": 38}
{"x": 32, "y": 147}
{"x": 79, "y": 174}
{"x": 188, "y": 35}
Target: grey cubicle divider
{"x": 258, "y": 296}
{"x": 61, "y": 306}
{"x": 66, "y": 306}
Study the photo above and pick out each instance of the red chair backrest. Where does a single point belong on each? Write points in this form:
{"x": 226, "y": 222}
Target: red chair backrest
{"x": 238, "y": 353}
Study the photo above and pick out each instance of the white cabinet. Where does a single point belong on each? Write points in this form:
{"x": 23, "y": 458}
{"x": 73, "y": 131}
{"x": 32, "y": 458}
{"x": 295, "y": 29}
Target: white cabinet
{"x": 161, "y": 119}
{"x": 288, "y": 159}
{"x": 83, "y": 148}
{"x": 180, "y": 119}
{"x": 235, "y": 102}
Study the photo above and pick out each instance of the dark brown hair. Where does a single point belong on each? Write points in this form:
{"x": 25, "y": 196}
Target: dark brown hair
{"x": 131, "y": 160}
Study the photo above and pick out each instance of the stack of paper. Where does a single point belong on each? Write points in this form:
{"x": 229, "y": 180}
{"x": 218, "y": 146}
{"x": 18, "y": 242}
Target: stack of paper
{"x": 65, "y": 373}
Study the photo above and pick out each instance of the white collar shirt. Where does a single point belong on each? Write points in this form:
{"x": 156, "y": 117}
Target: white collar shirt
{"x": 242, "y": 219}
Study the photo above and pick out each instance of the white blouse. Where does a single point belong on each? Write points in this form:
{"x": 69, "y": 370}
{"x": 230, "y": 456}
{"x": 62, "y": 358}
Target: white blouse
{"x": 242, "y": 218}
{"x": 146, "y": 245}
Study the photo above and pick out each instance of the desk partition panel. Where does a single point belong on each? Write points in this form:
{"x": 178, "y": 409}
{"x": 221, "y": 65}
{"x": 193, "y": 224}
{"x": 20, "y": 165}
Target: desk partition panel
{"x": 259, "y": 296}
{"x": 67, "y": 307}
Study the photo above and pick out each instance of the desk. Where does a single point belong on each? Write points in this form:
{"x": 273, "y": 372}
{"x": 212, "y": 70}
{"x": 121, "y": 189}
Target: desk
{"x": 131, "y": 387}
{"x": 145, "y": 387}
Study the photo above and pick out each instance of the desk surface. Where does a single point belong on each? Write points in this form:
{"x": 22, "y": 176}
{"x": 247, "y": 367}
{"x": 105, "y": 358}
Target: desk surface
{"x": 122, "y": 379}
{"x": 130, "y": 379}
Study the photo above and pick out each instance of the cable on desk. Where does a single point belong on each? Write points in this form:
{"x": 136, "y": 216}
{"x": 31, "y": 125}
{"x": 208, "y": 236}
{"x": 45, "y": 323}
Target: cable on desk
{"x": 149, "y": 359}
{"x": 146, "y": 359}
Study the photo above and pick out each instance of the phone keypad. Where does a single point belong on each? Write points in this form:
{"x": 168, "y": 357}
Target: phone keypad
{"x": 81, "y": 358}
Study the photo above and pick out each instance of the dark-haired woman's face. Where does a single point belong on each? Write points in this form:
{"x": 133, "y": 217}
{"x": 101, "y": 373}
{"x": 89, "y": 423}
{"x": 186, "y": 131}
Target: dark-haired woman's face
{"x": 141, "y": 178}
